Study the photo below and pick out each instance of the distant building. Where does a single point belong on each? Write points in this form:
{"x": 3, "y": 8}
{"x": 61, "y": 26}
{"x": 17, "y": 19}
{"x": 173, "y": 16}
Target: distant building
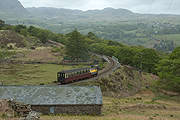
{"x": 56, "y": 99}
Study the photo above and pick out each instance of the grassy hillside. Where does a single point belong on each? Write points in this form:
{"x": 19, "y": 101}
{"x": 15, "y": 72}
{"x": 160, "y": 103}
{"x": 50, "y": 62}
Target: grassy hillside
{"x": 30, "y": 74}
{"x": 10, "y": 37}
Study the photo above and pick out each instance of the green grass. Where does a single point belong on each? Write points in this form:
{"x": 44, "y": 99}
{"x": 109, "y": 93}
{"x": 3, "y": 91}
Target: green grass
{"x": 30, "y": 74}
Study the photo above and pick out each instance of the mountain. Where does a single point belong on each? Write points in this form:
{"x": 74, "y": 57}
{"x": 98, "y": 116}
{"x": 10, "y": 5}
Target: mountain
{"x": 61, "y": 14}
{"x": 11, "y": 8}
{"x": 113, "y": 24}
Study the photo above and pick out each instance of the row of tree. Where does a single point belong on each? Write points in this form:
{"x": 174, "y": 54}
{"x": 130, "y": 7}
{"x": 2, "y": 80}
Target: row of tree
{"x": 167, "y": 66}
{"x": 169, "y": 71}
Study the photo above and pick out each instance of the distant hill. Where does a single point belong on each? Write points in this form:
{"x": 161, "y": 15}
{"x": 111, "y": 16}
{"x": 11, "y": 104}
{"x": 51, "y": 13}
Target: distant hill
{"x": 112, "y": 24}
{"x": 108, "y": 14}
{"x": 11, "y": 7}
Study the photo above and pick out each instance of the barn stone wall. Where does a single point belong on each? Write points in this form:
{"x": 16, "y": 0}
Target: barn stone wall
{"x": 68, "y": 109}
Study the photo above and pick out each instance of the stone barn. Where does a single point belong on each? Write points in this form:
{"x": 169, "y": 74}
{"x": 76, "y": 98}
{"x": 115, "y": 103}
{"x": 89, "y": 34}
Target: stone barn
{"x": 56, "y": 99}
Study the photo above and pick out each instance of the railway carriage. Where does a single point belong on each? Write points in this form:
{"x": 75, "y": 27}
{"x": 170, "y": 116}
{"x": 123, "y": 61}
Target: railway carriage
{"x": 70, "y": 76}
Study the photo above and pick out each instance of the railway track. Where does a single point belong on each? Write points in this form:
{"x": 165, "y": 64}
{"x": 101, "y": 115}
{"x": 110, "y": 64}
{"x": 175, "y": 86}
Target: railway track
{"x": 113, "y": 65}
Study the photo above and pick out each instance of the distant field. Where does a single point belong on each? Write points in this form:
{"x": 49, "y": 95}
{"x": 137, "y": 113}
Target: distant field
{"x": 171, "y": 37}
{"x": 30, "y": 74}
{"x": 150, "y": 42}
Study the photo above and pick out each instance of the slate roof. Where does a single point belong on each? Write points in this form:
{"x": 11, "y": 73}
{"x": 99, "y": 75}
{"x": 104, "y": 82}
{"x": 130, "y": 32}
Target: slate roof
{"x": 52, "y": 95}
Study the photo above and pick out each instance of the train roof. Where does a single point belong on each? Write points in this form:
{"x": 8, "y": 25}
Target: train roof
{"x": 74, "y": 70}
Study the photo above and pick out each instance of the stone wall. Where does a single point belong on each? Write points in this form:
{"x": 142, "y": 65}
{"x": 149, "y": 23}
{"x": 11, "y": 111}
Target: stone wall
{"x": 68, "y": 109}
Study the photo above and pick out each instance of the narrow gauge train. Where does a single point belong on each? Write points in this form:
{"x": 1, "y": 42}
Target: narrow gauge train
{"x": 70, "y": 76}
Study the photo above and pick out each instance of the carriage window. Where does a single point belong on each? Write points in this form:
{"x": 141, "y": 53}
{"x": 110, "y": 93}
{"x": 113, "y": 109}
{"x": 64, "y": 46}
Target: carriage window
{"x": 66, "y": 76}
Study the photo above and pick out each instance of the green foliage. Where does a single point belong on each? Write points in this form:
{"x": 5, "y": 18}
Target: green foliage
{"x": 4, "y": 54}
{"x": 142, "y": 58}
{"x": 98, "y": 48}
{"x": 42, "y": 34}
{"x": 92, "y": 36}
{"x": 126, "y": 55}
{"x": 169, "y": 71}
{"x": 149, "y": 58}
{"x": 1, "y": 23}
{"x": 76, "y": 46}
{"x": 175, "y": 54}
{"x": 22, "y": 29}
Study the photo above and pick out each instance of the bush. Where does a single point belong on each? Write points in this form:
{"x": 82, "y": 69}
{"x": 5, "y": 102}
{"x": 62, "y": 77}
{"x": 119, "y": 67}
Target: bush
{"x": 4, "y": 54}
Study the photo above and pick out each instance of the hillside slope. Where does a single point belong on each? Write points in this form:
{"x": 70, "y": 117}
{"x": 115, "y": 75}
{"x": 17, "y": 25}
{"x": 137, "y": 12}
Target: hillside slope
{"x": 125, "y": 81}
{"x": 11, "y": 8}
{"x": 11, "y": 37}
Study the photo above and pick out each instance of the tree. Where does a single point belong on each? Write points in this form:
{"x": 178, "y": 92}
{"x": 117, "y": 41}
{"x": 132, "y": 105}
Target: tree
{"x": 92, "y": 36}
{"x": 18, "y": 28}
{"x": 169, "y": 71}
{"x": 2, "y": 23}
{"x": 76, "y": 46}
{"x": 42, "y": 34}
{"x": 126, "y": 55}
{"x": 98, "y": 48}
{"x": 149, "y": 58}
{"x": 175, "y": 54}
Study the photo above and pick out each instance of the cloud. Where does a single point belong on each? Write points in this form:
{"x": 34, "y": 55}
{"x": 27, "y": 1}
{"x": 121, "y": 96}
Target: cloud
{"x": 142, "y": 6}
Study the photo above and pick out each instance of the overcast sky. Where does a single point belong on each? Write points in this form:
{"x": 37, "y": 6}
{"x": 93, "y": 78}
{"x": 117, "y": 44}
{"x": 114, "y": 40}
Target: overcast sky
{"x": 140, "y": 6}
